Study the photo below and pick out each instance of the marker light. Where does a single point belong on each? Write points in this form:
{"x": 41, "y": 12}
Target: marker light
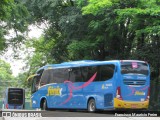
{"x": 118, "y": 93}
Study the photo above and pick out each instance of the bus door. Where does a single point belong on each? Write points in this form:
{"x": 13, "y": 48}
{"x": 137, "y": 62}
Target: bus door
{"x": 34, "y": 82}
{"x": 135, "y": 82}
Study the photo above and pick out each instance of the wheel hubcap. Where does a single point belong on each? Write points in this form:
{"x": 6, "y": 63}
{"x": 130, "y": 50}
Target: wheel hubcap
{"x": 92, "y": 106}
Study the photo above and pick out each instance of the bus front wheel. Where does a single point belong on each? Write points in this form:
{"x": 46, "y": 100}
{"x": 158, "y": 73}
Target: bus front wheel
{"x": 91, "y": 105}
{"x": 44, "y": 105}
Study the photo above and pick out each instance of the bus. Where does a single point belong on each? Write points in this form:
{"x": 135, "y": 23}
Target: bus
{"x": 14, "y": 98}
{"x": 92, "y": 85}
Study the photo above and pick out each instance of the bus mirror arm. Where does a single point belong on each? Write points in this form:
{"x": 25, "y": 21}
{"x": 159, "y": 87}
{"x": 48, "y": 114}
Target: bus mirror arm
{"x": 42, "y": 83}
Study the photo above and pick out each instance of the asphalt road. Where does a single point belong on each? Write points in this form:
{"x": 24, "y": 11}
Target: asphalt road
{"x": 59, "y": 113}
{"x": 66, "y": 113}
{"x": 76, "y": 115}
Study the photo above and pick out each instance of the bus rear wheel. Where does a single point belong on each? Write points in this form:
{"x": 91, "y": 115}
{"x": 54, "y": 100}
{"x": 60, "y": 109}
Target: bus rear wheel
{"x": 44, "y": 105}
{"x": 91, "y": 105}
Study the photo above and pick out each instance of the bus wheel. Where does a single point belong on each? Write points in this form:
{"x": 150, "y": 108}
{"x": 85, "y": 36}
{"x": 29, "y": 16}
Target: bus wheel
{"x": 91, "y": 105}
{"x": 44, "y": 105}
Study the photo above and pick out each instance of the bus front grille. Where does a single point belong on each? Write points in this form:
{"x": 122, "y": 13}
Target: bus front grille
{"x": 108, "y": 99}
{"x": 134, "y": 82}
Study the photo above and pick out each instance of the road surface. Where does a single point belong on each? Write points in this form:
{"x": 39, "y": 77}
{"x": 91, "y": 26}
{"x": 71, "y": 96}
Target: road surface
{"x": 78, "y": 115}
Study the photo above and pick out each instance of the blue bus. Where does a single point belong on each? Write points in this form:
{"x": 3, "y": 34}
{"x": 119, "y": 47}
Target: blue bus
{"x": 14, "y": 98}
{"x": 92, "y": 85}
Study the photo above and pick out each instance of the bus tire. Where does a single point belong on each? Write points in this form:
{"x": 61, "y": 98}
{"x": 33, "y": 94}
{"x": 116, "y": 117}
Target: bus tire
{"x": 44, "y": 105}
{"x": 91, "y": 105}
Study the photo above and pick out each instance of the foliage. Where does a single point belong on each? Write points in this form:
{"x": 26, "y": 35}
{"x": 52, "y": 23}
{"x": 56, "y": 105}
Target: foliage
{"x": 133, "y": 28}
{"x": 92, "y": 29}
{"x": 83, "y": 48}
{"x": 6, "y": 78}
{"x": 5, "y": 71}
{"x": 95, "y": 6}
{"x": 13, "y": 19}
{"x": 101, "y": 30}
{"x": 106, "y": 29}
{"x": 41, "y": 56}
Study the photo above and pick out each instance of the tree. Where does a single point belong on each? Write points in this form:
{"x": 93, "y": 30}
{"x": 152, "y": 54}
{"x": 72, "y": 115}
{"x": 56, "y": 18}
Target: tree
{"x": 41, "y": 54}
{"x": 13, "y": 18}
{"x": 5, "y": 71}
{"x": 6, "y": 78}
{"x": 133, "y": 30}
{"x": 101, "y": 30}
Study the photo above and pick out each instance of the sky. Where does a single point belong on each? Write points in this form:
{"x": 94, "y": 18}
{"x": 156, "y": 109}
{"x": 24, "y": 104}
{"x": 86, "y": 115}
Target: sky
{"x": 17, "y": 65}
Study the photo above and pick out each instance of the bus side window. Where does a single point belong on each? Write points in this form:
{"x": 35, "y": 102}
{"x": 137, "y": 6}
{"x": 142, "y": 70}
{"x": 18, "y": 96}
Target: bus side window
{"x": 72, "y": 76}
{"x": 89, "y": 71}
{"x": 107, "y": 72}
{"x": 84, "y": 71}
{"x": 56, "y": 75}
{"x": 33, "y": 88}
{"x": 75, "y": 75}
{"x": 64, "y": 75}
{"x": 45, "y": 78}
{"x": 92, "y": 70}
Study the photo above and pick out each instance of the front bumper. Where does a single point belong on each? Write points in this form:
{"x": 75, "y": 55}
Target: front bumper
{"x": 130, "y": 104}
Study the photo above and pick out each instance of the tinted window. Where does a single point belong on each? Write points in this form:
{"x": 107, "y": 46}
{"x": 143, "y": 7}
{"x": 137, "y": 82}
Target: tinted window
{"x": 104, "y": 72}
{"x": 15, "y": 96}
{"x": 91, "y": 70}
{"x": 33, "y": 88}
{"x": 107, "y": 72}
{"x": 35, "y": 83}
{"x": 55, "y": 76}
{"x": 84, "y": 71}
{"x": 75, "y": 74}
{"x": 134, "y": 68}
{"x": 60, "y": 75}
{"x": 46, "y": 77}
{"x": 38, "y": 77}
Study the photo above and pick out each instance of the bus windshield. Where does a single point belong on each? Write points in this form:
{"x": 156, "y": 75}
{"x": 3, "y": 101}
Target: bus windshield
{"x": 15, "y": 96}
{"x": 134, "y": 68}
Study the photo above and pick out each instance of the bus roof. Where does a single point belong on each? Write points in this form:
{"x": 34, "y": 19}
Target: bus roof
{"x": 13, "y": 88}
{"x": 83, "y": 63}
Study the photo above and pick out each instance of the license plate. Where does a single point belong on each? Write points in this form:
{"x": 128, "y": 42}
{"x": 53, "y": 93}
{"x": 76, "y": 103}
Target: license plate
{"x": 133, "y": 105}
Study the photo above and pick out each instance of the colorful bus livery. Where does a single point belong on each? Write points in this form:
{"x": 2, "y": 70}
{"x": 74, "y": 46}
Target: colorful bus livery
{"x": 134, "y": 89}
{"x": 92, "y": 85}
